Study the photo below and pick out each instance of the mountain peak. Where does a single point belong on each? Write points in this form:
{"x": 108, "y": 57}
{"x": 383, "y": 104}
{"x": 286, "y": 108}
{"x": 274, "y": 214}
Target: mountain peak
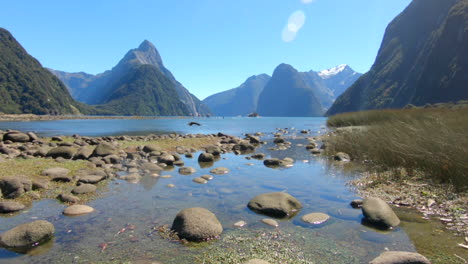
{"x": 284, "y": 68}
{"x": 325, "y": 74}
{"x": 146, "y": 53}
{"x": 146, "y": 45}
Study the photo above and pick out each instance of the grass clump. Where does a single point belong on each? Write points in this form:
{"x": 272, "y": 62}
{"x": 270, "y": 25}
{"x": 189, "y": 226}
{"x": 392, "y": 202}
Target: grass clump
{"x": 170, "y": 144}
{"x": 33, "y": 168}
{"x": 432, "y": 141}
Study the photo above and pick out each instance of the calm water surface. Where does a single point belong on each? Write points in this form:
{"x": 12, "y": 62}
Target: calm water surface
{"x": 318, "y": 185}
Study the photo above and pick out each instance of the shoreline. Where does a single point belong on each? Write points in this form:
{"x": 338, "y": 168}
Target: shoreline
{"x": 396, "y": 187}
{"x": 33, "y": 117}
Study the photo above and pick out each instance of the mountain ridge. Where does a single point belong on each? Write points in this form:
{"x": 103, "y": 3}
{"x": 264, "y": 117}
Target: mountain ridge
{"x": 422, "y": 60}
{"x": 97, "y": 89}
{"x": 27, "y": 87}
{"x": 227, "y": 103}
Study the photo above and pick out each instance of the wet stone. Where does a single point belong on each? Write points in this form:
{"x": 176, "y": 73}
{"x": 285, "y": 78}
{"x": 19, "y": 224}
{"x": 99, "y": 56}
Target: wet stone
{"x": 219, "y": 170}
{"x": 315, "y": 218}
{"x": 207, "y": 177}
{"x": 187, "y": 170}
{"x": 270, "y": 222}
{"x": 77, "y": 209}
{"x": 199, "y": 180}
{"x": 240, "y": 223}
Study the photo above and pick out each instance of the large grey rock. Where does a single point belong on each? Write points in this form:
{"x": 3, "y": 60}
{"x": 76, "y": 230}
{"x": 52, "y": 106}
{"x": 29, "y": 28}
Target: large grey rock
{"x": 112, "y": 159}
{"x": 276, "y": 204}
{"x": 10, "y": 207}
{"x": 400, "y": 257}
{"x": 104, "y": 149}
{"x": 83, "y": 153}
{"x": 14, "y": 187}
{"x": 62, "y": 152}
{"x": 54, "y": 172}
{"x": 68, "y": 198}
{"x": 151, "y": 148}
{"x": 197, "y": 224}
{"x": 206, "y": 157}
{"x": 84, "y": 188}
{"x": 16, "y": 137}
{"x": 167, "y": 159}
{"x": 379, "y": 213}
{"x": 28, "y": 235}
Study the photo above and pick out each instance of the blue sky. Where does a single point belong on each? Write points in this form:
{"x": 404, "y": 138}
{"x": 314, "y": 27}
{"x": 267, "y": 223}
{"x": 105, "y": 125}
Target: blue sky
{"x": 209, "y": 45}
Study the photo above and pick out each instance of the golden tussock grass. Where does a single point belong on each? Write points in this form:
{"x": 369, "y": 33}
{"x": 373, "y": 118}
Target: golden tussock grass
{"x": 431, "y": 141}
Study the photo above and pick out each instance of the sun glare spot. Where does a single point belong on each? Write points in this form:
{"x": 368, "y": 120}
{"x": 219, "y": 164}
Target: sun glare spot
{"x": 295, "y": 22}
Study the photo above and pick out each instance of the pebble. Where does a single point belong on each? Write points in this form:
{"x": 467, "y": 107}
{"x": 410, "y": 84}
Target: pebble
{"x": 78, "y": 209}
{"x": 315, "y": 218}
{"x": 199, "y": 180}
{"x": 207, "y": 177}
{"x": 166, "y": 176}
{"x": 240, "y": 223}
{"x": 270, "y": 222}
{"x": 170, "y": 185}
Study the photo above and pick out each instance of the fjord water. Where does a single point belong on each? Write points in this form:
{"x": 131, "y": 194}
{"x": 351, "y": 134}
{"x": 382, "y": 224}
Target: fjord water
{"x": 318, "y": 184}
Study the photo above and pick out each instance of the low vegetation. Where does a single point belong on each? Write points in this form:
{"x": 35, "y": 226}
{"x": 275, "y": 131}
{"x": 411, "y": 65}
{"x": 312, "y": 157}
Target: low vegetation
{"x": 170, "y": 144}
{"x": 432, "y": 141}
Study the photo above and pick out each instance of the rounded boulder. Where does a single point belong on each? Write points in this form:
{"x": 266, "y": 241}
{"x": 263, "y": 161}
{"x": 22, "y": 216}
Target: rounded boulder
{"x": 197, "y": 224}
{"x": 400, "y": 257}
{"x": 378, "y": 213}
{"x": 28, "y": 235}
{"x": 276, "y": 204}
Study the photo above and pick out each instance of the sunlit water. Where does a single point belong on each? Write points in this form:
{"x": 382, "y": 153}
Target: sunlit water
{"x": 318, "y": 185}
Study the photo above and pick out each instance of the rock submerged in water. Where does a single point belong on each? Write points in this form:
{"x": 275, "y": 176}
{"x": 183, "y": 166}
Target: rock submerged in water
{"x": 187, "y": 170}
{"x": 276, "y": 204}
{"x": 400, "y": 257}
{"x": 378, "y": 213}
{"x": 78, "y": 209}
{"x": 27, "y": 235}
{"x": 270, "y": 222}
{"x": 10, "y": 207}
{"x": 315, "y": 218}
{"x": 219, "y": 171}
{"x": 197, "y": 224}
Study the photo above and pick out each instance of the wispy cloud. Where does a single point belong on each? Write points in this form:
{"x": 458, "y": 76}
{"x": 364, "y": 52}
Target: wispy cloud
{"x": 295, "y": 22}
{"x": 307, "y": 1}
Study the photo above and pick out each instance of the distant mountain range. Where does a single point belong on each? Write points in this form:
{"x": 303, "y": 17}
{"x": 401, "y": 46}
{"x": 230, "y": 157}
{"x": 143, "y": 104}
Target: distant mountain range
{"x": 287, "y": 93}
{"x": 27, "y": 87}
{"x": 138, "y": 85}
{"x": 423, "y": 59}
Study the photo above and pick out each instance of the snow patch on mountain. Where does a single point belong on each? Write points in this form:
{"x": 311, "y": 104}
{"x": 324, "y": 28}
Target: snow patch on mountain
{"x": 325, "y": 74}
